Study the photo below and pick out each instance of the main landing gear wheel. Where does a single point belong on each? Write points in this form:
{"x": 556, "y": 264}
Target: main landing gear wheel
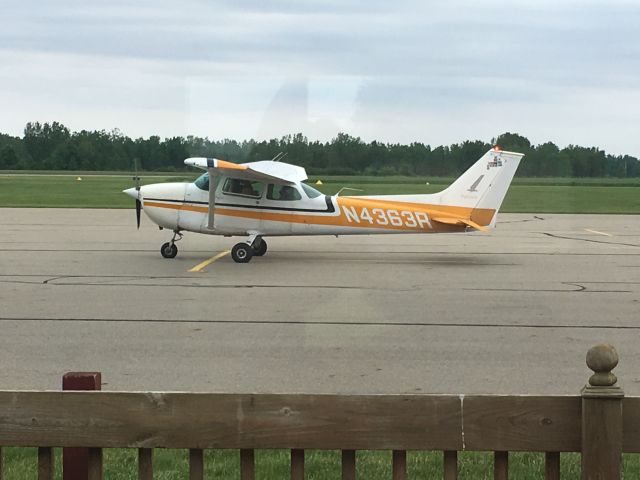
{"x": 169, "y": 250}
{"x": 260, "y": 249}
{"x": 241, "y": 253}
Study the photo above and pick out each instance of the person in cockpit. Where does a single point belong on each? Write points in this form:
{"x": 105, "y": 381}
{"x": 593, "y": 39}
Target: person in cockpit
{"x": 287, "y": 193}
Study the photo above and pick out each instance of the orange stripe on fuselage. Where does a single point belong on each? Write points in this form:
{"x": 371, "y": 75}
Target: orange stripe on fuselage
{"x": 481, "y": 216}
{"x": 363, "y": 213}
{"x": 175, "y": 206}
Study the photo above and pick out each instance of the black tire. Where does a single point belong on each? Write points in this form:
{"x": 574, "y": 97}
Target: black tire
{"x": 169, "y": 251}
{"x": 241, "y": 253}
{"x": 261, "y": 249}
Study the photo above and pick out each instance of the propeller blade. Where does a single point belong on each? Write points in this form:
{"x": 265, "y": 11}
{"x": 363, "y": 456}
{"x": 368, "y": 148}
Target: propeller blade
{"x": 136, "y": 178}
{"x": 138, "y": 208}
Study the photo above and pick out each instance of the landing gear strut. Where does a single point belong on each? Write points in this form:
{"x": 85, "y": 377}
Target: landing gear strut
{"x": 169, "y": 249}
{"x": 243, "y": 252}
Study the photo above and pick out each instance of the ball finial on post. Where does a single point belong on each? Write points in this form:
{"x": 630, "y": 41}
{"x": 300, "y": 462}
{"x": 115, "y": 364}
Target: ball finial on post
{"x": 602, "y": 359}
{"x": 602, "y": 429}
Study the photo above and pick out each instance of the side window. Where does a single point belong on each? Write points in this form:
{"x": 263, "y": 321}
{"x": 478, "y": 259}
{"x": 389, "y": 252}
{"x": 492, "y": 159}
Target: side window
{"x": 242, "y": 187}
{"x": 283, "y": 192}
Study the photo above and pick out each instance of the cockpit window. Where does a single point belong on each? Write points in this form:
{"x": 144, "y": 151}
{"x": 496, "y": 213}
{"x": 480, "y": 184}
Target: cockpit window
{"x": 242, "y": 187}
{"x": 202, "y": 182}
{"x": 282, "y": 192}
{"x": 310, "y": 191}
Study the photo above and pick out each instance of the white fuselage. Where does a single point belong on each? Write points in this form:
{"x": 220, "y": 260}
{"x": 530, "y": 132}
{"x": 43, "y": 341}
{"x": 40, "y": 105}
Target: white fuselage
{"x": 184, "y": 206}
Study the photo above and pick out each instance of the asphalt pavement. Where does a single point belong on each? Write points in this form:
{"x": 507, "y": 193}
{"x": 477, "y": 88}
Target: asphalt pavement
{"x": 513, "y": 311}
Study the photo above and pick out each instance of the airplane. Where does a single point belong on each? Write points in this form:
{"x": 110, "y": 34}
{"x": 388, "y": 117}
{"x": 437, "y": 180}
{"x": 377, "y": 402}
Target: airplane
{"x": 269, "y": 198}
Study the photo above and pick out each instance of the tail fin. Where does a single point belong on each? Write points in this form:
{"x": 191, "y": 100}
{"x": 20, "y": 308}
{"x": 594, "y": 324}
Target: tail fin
{"x": 480, "y": 190}
{"x": 484, "y": 185}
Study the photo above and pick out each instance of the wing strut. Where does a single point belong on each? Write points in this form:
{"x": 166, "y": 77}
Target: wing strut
{"x": 212, "y": 198}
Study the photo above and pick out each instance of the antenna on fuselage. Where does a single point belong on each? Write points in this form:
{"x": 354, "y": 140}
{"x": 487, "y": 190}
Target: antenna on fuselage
{"x": 279, "y": 156}
{"x": 348, "y": 188}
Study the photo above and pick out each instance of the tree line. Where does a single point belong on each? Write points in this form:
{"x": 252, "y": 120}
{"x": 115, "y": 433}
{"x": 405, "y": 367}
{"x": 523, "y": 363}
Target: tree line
{"x": 52, "y": 146}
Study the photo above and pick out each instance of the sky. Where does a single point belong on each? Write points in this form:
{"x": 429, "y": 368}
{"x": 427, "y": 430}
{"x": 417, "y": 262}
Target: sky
{"x": 437, "y": 72}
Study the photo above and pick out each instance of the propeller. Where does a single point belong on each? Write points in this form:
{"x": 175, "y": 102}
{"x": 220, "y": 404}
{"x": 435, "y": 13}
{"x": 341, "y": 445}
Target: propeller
{"x": 136, "y": 182}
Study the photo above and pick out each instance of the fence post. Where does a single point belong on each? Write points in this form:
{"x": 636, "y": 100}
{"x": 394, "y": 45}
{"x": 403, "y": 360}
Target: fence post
{"x": 602, "y": 417}
{"x": 75, "y": 461}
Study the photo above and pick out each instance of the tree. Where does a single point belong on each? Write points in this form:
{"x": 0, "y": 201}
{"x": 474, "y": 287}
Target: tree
{"x": 52, "y": 146}
{"x": 8, "y": 158}
{"x": 513, "y": 142}
{"x": 41, "y": 140}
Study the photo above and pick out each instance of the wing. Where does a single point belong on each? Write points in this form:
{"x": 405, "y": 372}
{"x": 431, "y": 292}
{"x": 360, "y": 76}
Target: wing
{"x": 265, "y": 170}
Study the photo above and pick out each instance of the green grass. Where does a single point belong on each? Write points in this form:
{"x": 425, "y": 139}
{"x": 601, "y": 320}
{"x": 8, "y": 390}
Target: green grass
{"x": 121, "y": 464}
{"x": 67, "y": 192}
{"x": 525, "y": 195}
{"x": 421, "y": 180}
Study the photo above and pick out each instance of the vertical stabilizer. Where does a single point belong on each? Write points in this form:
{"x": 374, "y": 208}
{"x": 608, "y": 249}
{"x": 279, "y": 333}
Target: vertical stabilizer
{"x": 484, "y": 185}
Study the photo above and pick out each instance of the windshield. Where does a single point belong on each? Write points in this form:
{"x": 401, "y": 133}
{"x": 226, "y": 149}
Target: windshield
{"x": 202, "y": 182}
{"x": 310, "y": 191}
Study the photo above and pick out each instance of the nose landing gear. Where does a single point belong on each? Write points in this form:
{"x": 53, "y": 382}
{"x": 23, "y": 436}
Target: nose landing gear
{"x": 169, "y": 249}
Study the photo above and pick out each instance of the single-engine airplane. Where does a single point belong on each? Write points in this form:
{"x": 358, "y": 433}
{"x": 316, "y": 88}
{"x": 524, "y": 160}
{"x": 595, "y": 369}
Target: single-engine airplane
{"x": 269, "y": 198}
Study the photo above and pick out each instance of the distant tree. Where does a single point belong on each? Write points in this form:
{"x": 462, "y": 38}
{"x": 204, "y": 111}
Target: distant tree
{"x": 513, "y": 142}
{"x": 8, "y": 158}
{"x": 52, "y": 146}
{"x": 544, "y": 161}
{"x": 40, "y": 140}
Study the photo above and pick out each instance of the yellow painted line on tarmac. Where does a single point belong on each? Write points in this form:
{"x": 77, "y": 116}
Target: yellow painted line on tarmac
{"x": 597, "y": 232}
{"x": 209, "y": 261}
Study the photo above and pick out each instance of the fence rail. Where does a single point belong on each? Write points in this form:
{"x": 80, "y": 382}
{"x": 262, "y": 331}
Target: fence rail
{"x": 600, "y": 423}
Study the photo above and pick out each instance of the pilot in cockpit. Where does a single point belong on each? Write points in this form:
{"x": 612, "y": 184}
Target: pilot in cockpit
{"x": 287, "y": 193}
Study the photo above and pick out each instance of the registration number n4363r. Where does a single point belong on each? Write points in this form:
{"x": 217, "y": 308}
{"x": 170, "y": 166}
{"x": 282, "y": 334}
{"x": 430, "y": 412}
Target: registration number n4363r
{"x": 386, "y": 216}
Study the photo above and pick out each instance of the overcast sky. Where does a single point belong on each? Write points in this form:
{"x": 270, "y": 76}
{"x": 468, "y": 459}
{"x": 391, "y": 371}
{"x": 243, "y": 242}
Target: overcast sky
{"x": 404, "y": 71}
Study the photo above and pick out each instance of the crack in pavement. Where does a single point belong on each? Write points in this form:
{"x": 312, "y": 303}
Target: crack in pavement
{"x": 553, "y": 235}
{"x": 114, "y": 283}
{"x": 534, "y": 219}
{"x": 324, "y": 323}
{"x": 580, "y": 287}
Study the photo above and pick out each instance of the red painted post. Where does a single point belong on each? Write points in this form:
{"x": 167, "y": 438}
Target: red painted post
{"x": 75, "y": 461}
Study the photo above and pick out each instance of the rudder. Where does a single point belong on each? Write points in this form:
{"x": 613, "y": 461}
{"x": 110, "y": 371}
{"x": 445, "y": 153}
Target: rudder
{"x": 484, "y": 185}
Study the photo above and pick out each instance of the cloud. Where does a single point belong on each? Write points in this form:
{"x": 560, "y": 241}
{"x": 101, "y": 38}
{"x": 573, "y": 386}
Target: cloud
{"x": 379, "y": 69}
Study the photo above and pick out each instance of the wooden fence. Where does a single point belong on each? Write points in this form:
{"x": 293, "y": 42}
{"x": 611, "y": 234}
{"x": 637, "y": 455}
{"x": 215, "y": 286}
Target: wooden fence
{"x": 599, "y": 422}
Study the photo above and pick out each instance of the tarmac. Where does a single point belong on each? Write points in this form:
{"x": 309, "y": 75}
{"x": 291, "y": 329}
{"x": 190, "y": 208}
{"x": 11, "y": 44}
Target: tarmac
{"x": 512, "y": 312}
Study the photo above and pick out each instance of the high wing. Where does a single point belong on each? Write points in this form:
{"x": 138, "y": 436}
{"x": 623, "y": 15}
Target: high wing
{"x": 264, "y": 170}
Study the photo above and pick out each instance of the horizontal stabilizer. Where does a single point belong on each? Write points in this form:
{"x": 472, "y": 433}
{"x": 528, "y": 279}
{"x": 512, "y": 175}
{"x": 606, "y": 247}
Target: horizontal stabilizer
{"x": 459, "y": 221}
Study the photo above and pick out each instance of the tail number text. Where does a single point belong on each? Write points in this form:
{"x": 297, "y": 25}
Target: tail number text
{"x": 382, "y": 217}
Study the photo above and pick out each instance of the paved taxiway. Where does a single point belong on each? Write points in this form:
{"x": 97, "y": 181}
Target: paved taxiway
{"x": 510, "y": 312}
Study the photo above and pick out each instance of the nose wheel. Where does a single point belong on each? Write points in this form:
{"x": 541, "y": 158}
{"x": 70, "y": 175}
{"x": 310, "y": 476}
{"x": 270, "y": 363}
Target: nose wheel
{"x": 169, "y": 249}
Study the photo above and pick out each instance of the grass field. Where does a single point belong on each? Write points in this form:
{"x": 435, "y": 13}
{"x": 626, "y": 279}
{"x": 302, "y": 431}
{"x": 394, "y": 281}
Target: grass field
{"x": 121, "y": 464}
{"x": 544, "y": 195}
